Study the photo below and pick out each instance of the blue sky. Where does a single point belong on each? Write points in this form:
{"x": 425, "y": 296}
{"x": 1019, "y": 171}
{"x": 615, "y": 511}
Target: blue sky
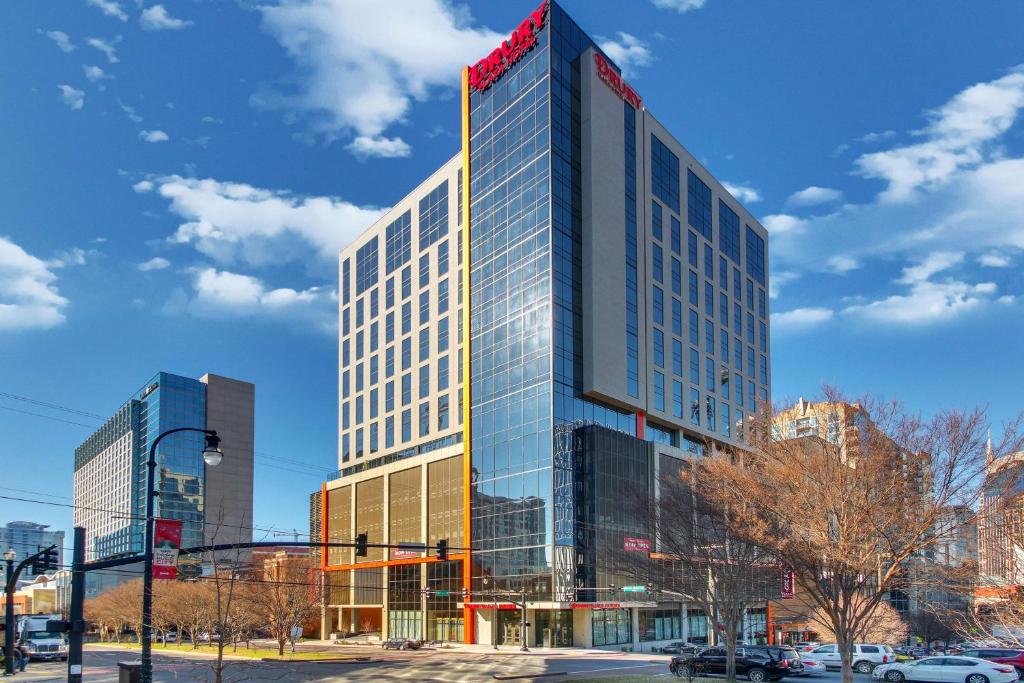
{"x": 177, "y": 179}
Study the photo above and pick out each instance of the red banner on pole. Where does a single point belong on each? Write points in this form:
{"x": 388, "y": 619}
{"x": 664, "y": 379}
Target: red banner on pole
{"x": 166, "y": 543}
{"x": 787, "y": 584}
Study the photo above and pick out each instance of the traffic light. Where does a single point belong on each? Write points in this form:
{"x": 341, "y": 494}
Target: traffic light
{"x": 442, "y": 550}
{"x": 47, "y": 560}
{"x": 361, "y": 544}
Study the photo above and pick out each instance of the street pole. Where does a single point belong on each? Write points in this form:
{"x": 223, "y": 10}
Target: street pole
{"x": 147, "y": 563}
{"x": 76, "y": 615}
{"x": 522, "y": 623}
{"x": 9, "y": 619}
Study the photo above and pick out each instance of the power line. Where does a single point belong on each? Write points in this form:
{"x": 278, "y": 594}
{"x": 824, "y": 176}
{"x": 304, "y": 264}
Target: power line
{"x": 54, "y": 406}
{"x": 48, "y": 417}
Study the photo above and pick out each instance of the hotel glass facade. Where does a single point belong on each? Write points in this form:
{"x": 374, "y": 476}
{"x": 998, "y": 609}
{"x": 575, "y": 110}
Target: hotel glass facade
{"x": 610, "y": 283}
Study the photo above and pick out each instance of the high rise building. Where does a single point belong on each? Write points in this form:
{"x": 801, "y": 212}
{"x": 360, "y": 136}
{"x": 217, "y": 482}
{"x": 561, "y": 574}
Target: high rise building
{"x": 28, "y": 538}
{"x": 214, "y": 503}
{"x": 1001, "y": 525}
{"x": 564, "y": 307}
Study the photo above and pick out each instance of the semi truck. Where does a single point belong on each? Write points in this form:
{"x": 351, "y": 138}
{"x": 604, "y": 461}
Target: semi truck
{"x": 38, "y": 641}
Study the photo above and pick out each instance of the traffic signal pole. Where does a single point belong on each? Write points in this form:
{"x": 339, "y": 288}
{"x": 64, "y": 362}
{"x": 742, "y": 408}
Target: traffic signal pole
{"x": 76, "y": 613}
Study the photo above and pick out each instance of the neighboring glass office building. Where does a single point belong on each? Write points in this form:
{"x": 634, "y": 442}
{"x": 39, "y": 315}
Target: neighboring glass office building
{"x": 110, "y": 469}
{"x": 616, "y": 317}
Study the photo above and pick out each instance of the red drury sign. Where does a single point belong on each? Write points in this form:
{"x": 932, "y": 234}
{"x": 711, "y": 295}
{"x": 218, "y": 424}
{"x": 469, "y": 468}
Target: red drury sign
{"x": 166, "y": 543}
{"x": 636, "y": 545}
{"x": 489, "y": 69}
{"x": 614, "y": 81}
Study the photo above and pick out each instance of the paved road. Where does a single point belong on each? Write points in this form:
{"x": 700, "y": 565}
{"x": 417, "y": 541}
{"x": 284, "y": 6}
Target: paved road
{"x": 422, "y": 666}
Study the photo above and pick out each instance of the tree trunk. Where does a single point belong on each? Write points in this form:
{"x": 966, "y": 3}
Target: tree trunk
{"x": 730, "y": 653}
{"x": 280, "y": 645}
{"x": 845, "y": 648}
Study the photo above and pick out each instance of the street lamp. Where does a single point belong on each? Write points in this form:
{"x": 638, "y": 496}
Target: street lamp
{"x": 212, "y": 455}
{"x": 9, "y": 556}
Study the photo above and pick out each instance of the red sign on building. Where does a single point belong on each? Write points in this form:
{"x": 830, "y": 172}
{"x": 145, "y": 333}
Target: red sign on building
{"x": 484, "y": 73}
{"x": 636, "y": 545}
{"x": 166, "y": 543}
{"x": 614, "y": 81}
{"x": 788, "y": 583}
{"x": 404, "y": 553}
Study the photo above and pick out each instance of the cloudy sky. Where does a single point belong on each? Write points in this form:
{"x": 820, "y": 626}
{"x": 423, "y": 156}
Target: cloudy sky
{"x": 178, "y": 178}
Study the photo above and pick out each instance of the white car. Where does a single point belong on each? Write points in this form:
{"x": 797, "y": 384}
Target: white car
{"x": 947, "y": 670}
{"x": 812, "y": 666}
{"x": 866, "y": 656}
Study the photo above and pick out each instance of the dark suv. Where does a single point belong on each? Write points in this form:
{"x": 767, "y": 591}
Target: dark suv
{"x": 757, "y": 662}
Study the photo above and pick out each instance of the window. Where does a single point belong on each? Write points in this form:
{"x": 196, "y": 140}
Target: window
{"x": 442, "y": 258}
{"x": 443, "y": 420}
{"x": 424, "y": 270}
{"x": 389, "y": 431}
{"x": 657, "y": 263}
{"x": 695, "y": 366}
{"x": 763, "y": 336}
{"x": 389, "y": 293}
{"x": 677, "y": 317}
{"x": 677, "y": 237}
{"x": 346, "y": 281}
{"x": 726, "y": 421}
{"x": 374, "y": 336}
{"x": 658, "y": 305}
{"x": 694, "y": 407}
{"x": 691, "y": 248}
{"x": 723, "y": 274}
{"x": 398, "y": 239}
{"x": 709, "y": 412}
{"x": 723, "y": 308}
{"x": 750, "y": 294}
{"x": 709, "y": 374}
{"x": 658, "y": 342}
{"x": 656, "y": 220}
{"x": 736, "y": 279}
{"x": 442, "y": 297}
{"x": 345, "y": 355}
{"x": 763, "y": 370}
{"x": 424, "y": 381}
{"x": 694, "y": 327}
{"x": 346, "y": 321}
{"x": 694, "y": 288}
{"x": 345, "y": 448}
{"x": 344, "y": 384}
{"x": 434, "y": 215}
{"x": 359, "y": 345}
{"x": 389, "y": 397}
{"x": 442, "y": 373}
{"x": 389, "y": 327}
{"x": 677, "y": 399}
{"x": 659, "y": 391}
{"x": 366, "y": 266}
{"x": 728, "y": 231}
{"x": 664, "y": 174}
{"x": 750, "y": 328}
{"x": 406, "y": 282}
{"x": 442, "y": 335}
{"x": 677, "y": 357}
{"x": 739, "y": 390}
{"x": 359, "y": 443}
{"x": 406, "y": 425}
{"x": 677, "y": 277}
{"x": 698, "y": 212}
{"x": 424, "y": 307}
{"x": 709, "y": 298}
{"x": 374, "y": 369}
{"x": 406, "y": 389}
{"x": 406, "y": 317}
{"x": 345, "y": 418}
{"x": 737, "y": 318}
{"x": 360, "y": 318}
{"x": 359, "y": 409}
{"x": 424, "y": 419}
{"x": 374, "y": 403}
{"x": 755, "y": 255}
{"x": 762, "y": 305}
{"x": 723, "y": 340}
{"x": 374, "y": 303}
{"x": 407, "y": 353}
{"x": 709, "y": 262}
{"x": 424, "y": 344}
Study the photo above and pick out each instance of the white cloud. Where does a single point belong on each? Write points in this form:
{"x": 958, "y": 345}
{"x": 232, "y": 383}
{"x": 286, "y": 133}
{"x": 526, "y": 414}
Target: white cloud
{"x": 105, "y": 47}
{"x": 800, "y": 319}
{"x": 958, "y": 137}
{"x": 223, "y": 293}
{"x": 778, "y": 280}
{"x": 994, "y": 260}
{"x": 927, "y": 301}
{"x": 871, "y": 138}
{"x": 75, "y": 256}
{"x": 143, "y": 186}
{"x": 628, "y": 52}
{"x": 130, "y": 112}
{"x": 744, "y": 193}
{"x": 781, "y": 223}
{"x": 156, "y": 18}
{"x": 360, "y": 65}
{"x": 211, "y": 119}
{"x": 72, "y": 97}
{"x": 1006, "y": 300}
{"x": 842, "y": 264}
{"x": 96, "y": 75}
{"x": 235, "y": 222}
{"x": 813, "y": 195}
{"x": 388, "y": 148}
{"x": 680, "y": 6}
{"x": 62, "y": 39}
{"x": 155, "y": 263}
{"x": 153, "y": 136}
{"x": 110, "y": 8}
{"x": 28, "y": 297}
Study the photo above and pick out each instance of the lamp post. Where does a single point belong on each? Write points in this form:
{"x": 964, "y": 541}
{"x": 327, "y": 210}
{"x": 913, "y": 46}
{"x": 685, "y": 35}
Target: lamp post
{"x": 212, "y": 455}
{"x": 10, "y": 556}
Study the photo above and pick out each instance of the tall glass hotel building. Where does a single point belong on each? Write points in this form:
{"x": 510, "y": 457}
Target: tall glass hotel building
{"x": 565, "y": 308}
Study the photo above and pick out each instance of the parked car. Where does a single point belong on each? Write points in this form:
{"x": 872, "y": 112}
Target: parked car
{"x": 866, "y": 656}
{"x": 806, "y": 645}
{"x": 946, "y": 670}
{"x": 757, "y": 662}
{"x": 401, "y": 644}
{"x": 999, "y": 655}
{"x": 812, "y": 666}
{"x": 679, "y": 648}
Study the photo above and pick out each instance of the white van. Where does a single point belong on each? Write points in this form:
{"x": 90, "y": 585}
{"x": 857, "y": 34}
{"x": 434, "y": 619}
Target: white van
{"x": 866, "y": 656}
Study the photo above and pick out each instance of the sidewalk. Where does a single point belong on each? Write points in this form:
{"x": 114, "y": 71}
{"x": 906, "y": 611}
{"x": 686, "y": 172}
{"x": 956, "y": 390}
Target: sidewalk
{"x": 29, "y": 675}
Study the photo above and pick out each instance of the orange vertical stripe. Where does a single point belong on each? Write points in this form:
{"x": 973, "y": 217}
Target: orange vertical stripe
{"x": 323, "y": 525}
{"x": 467, "y": 461}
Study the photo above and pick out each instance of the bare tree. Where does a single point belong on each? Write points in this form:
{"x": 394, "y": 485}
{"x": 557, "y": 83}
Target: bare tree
{"x": 284, "y": 597}
{"x": 933, "y": 626}
{"x": 697, "y": 557}
{"x": 847, "y": 510}
{"x": 885, "y": 625}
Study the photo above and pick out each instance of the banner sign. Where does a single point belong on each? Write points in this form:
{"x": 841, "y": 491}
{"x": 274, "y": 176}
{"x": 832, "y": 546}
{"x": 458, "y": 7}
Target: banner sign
{"x": 636, "y": 545}
{"x": 404, "y": 553}
{"x": 787, "y": 584}
{"x": 489, "y": 605}
{"x": 166, "y": 543}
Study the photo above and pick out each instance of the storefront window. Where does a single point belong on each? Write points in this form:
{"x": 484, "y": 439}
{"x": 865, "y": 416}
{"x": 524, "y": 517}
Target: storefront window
{"x": 660, "y": 624}
{"x": 611, "y": 627}
{"x": 697, "y": 624}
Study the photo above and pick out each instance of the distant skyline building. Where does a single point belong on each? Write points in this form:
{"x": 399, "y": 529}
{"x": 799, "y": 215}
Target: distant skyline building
{"x": 214, "y": 503}
{"x": 27, "y": 538}
{"x": 566, "y": 306}
{"x": 1001, "y": 524}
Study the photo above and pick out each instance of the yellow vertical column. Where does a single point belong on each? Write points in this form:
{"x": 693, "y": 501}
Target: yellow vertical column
{"x": 467, "y": 432}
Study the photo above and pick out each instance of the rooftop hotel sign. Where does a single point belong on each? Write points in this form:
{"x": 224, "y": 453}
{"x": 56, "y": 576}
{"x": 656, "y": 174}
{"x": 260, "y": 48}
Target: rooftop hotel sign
{"x": 614, "y": 82}
{"x": 484, "y": 73}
